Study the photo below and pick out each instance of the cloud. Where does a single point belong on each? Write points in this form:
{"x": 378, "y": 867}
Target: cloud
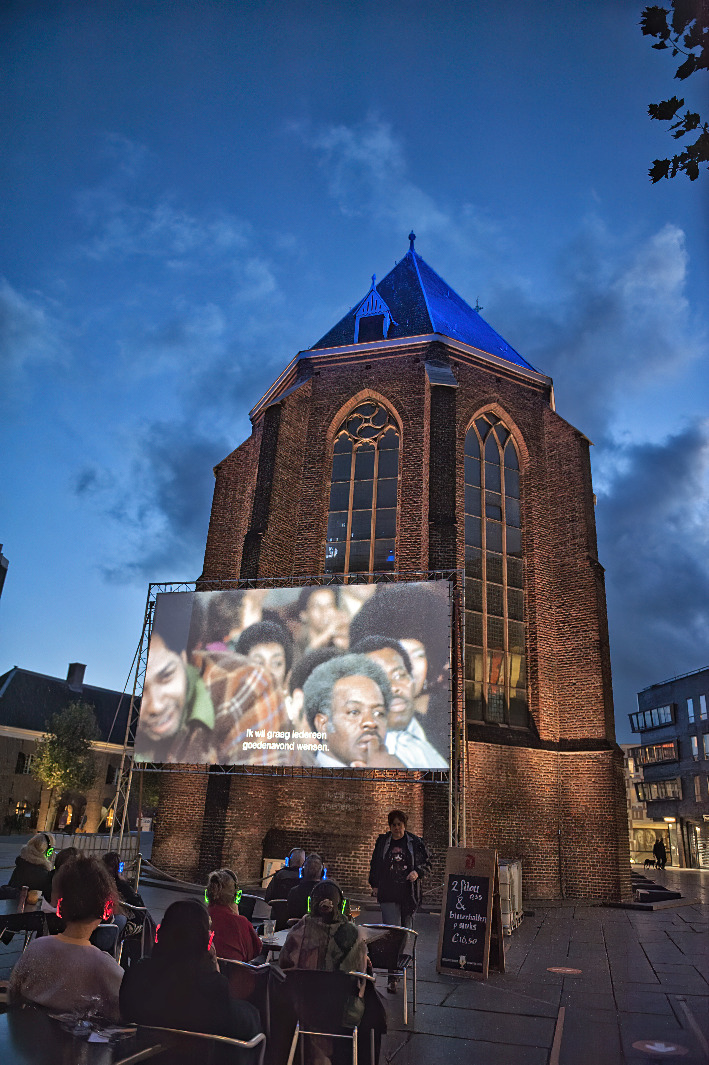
{"x": 28, "y": 330}
{"x": 653, "y": 532}
{"x": 160, "y": 502}
{"x": 366, "y": 173}
{"x": 618, "y": 321}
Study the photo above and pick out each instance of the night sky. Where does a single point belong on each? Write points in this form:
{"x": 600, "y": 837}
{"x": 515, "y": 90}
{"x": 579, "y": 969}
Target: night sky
{"x": 193, "y": 192}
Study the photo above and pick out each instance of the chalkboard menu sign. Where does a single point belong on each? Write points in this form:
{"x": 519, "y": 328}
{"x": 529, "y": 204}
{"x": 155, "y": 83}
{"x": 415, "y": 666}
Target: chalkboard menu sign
{"x": 471, "y": 924}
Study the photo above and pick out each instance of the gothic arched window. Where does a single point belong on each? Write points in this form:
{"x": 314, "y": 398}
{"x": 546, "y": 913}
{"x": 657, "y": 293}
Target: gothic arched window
{"x": 495, "y": 661}
{"x": 361, "y": 527}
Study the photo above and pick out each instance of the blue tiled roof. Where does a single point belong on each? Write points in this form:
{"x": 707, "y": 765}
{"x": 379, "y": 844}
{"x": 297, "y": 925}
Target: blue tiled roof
{"x": 421, "y": 302}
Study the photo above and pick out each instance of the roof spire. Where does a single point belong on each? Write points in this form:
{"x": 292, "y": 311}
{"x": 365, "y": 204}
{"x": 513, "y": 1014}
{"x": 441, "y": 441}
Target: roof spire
{"x": 412, "y": 238}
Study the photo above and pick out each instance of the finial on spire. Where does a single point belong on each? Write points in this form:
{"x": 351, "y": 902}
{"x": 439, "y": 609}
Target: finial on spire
{"x": 412, "y": 238}
{"x": 374, "y": 280}
{"x": 477, "y": 306}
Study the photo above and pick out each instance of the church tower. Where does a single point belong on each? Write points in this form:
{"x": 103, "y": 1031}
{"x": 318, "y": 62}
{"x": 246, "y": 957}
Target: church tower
{"x": 411, "y": 437}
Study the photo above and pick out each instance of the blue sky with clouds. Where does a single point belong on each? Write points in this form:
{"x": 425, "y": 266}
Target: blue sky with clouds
{"x": 194, "y": 192}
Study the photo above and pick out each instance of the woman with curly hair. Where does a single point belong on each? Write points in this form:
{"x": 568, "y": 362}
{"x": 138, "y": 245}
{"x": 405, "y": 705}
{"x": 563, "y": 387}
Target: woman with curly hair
{"x": 66, "y": 971}
{"x": 234, "y": 936}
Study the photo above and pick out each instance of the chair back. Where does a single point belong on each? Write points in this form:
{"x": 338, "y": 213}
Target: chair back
{"x": 279, "y": 913}
{"x": 390, "y": 948}
{"x": 319, "y": 999}
{"x": 200, "y": 1048}
{"x": 246, "y": 981}
{"x": 105, "y": 937}
{"x": 247, "y": 905}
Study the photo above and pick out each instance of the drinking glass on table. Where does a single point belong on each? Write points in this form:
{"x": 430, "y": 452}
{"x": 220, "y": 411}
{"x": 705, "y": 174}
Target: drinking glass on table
{"x": 269, "y": 927}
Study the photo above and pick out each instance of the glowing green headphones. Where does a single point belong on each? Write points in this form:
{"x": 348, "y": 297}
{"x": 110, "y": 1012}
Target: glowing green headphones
{"x": 343, "y": 906}
{"x": 238, "y": 894}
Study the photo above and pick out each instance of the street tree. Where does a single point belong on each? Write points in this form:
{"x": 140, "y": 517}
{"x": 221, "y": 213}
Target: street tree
{"x": 64, "y": 760}
{"x": 686, "y": 31}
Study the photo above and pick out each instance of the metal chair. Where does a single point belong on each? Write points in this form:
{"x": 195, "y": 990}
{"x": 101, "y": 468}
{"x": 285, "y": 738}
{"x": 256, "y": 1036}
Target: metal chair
{"x": 251, "y": 983}
{"x": 247, "y": 905}
{"x": 389, "y": 952}
{"x": 316, "y": 997}
{"x": 178, "y": 1041}
{"x": 28, "y": 924}
{"x": 106, "y": 937}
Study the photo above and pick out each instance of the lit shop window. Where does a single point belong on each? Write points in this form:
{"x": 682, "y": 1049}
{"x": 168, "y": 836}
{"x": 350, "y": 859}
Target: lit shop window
{"x": 361, "y": 527}
{"x": 661, "y": 789}
{"x": 495, "y": 629}
{"x": 656, "y": 752}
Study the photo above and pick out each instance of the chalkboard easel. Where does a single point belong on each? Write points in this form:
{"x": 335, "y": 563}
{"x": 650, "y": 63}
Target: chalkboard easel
{"x": 470, "y": 935}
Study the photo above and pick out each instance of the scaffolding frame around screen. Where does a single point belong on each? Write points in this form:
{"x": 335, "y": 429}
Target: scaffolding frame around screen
{"x": 453, "y": 777}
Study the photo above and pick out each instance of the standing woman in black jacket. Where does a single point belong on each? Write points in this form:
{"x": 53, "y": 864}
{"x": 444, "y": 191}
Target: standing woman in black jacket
{"x": 399, "y": 862}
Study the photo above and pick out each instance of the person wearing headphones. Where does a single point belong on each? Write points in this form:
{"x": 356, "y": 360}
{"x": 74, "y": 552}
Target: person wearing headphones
{"x": 180, "y": 986}
{"x": 298, "y": 896}
{"x": 234, "y": 936}
{"x": 284, "y": 879}
{"x": 325, "y": 939}
{"x": 34, "y": 863}
{"x": 66, "y": 971}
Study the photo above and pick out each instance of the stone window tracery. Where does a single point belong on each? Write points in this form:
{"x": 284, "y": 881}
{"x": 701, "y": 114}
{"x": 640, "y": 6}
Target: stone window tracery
{"x": 495, "y": 627}
{"x": 361, "y": 528}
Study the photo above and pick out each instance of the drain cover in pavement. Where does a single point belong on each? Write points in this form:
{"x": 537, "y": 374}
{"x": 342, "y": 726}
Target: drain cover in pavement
{"x": 659, "y": 1049}
{"x": 565, "y": 972}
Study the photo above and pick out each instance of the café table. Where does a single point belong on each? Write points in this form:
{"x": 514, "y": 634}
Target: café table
{"x": 30, "y": 1036}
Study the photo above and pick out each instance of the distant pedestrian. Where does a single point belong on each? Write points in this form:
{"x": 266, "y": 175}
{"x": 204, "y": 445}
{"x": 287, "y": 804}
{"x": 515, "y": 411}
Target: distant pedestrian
{"x": 399, "y": 861}
{"x": 660, "y": 853}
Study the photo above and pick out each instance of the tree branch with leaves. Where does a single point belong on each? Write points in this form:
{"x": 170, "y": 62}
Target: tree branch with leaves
{"x": 686, "y": 32}
{"x": 63, "y": 759}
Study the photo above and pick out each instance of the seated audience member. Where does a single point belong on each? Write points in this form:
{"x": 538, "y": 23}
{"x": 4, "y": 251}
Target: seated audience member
{"x": 234, "y": 936}
{"x": 323, "y": 624}
{"x": 284, "y": 879}
{"x": 298, "y": 896}
{"x": 204, "y": 710}
{"x": 269, "y": 645}
{"x": 34, "y": 862}
{"x": 325, "y": 939}
{"x": 347, "y": 700}
{"x": 180, "y": 986}
{"x": 112, "y": 861}
{"x": 66, "y": 971}
{"x": 296, "y": 682}
{"x": 49, "y": 905}
{"x": 418, "y": 617}
{"x": 405, "y": 735}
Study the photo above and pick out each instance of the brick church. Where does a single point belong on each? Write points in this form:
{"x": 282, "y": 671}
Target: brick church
{"x": 476, "y": 472}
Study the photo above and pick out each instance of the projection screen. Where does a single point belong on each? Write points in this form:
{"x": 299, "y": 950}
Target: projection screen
{"x": 339, "y": 676}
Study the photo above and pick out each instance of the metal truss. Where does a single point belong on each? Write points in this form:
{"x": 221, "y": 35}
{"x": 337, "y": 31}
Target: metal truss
{"x": 454, "y": 778}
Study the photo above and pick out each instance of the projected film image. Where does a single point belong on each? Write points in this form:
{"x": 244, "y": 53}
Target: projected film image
{"x": 352, "y": 676}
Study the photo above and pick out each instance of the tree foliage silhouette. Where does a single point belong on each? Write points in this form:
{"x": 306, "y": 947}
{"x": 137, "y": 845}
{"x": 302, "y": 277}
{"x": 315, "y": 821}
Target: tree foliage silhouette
{"x": 63, "y": 760}
{"x": 686, "y": 32}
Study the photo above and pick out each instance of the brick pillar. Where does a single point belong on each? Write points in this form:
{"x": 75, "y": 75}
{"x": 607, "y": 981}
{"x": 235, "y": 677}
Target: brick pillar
{"x": 442, "y": 479}
{"x": 251, "y": 555}
{"x": 176, "y": 846}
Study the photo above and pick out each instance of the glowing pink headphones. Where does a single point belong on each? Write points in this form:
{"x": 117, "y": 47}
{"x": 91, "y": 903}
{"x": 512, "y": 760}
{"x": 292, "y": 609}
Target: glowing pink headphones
{"x": 107, "y": 910}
